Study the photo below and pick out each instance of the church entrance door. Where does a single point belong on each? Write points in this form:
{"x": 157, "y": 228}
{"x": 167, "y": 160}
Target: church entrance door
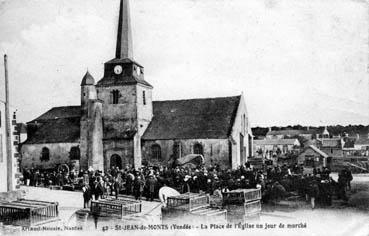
{"x": 116, "y": 161}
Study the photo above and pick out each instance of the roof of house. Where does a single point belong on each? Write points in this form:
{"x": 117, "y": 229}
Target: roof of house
{"x": 59, "y": 112}
{"x": 331, "y": 142}
{"x": 291, "y": 141}
{"x": 317, "y": 150}
{"x": 62, "y": 130}
{"x": 292, "y": 132}
{"x": 193, "y": 118}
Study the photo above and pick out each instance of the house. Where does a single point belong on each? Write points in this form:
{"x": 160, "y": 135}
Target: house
{"x": 361, "y": 144}
{"x": 331, "y": 146}
{"x": 268, "y": 148}
{"x": 308, "y": 134}
{"x": 312, "y": 157}
{"x": 119, "y": 125}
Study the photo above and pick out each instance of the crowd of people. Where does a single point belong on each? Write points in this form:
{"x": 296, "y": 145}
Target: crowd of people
{"x": 275, "y": 182}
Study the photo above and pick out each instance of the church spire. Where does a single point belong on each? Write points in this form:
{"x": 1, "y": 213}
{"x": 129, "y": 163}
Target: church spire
{"x": 124, "y": 38}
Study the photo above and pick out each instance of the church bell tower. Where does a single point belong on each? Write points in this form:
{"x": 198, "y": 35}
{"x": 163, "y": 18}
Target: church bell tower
{"x": 126, "y": 97}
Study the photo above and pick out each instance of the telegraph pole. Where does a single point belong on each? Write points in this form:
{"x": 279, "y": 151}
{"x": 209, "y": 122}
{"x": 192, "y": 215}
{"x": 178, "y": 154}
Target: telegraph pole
{"x": 9, "y": 156}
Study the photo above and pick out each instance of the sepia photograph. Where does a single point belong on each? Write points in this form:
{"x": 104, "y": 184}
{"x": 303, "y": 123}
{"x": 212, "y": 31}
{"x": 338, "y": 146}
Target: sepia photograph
{"x": 184, "y": 117}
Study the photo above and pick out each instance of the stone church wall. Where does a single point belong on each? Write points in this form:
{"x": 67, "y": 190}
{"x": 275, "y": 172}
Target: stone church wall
{"x": 144, "y": 108}
{"x": 59, "y": 154}
{"x": 121, "y": 117}
{"x": 122, "y": 148}
{"x": 215, "y": 150}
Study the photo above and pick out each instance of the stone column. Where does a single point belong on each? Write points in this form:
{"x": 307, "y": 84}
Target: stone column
{"x": 137, "y": 155}
{"x": 95, "y": 136}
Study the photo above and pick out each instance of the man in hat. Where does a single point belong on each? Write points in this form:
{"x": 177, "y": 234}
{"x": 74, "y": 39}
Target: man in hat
{"x": 116, "y": 186}
{"x": 87, "y": 195}
{"x": 151, "y": 184}
{"x": 186, "y": 185}
{"x": 138, "y": 187}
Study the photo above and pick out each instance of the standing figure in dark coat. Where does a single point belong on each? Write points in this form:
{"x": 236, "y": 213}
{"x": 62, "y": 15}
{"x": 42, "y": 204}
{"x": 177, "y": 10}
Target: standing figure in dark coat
{"x": 87, "y": 195}
{"x": 195, "y": 185}
{"x": 349, "y": 178}
{"x": 129, "y": 183}
{"x": 151, "y": 184}
{"x": 342, "y": 183}
{"x": 186, "y": 185}
{"x": 116, "y": 187}
{"x": 99, "y": 188}
{"x": 138, "y": 187}
{"x": 313, "y": 192}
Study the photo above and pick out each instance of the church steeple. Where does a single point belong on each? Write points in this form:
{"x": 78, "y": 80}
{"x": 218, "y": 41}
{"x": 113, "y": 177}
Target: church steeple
{"x": 124, "y": 37}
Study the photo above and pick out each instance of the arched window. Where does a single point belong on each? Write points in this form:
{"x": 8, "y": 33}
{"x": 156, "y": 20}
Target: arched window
{"x": 156, "y": 152}
{"x": 177, "y": 150}
{"x": 45, "y": 154}
{"x": 198, "y": 149}
{"x": 74, "y": 153}
{"x": 115, "y": 96}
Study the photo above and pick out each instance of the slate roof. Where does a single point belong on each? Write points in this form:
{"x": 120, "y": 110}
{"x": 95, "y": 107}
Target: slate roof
{"x": 290, "y": 141}
{"x": 125, "y": 80}
{"x": 88, "y": 79}
{"x": 122, "y": 80}
{"x": 57, "y": 125}
{"x": 176, "y": 119}
{"x": 62, "y": 130}
{"x": 59, "y": 112}
{"x": 122, "y": 60}
{"x": 192, "y": 119}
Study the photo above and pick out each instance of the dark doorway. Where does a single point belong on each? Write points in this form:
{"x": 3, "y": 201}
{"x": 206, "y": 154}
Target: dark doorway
{"x": 230, "y": 153}
{"x": 198, "y": 149}
{"x": 242, "y": 151}
{"x": 116, "y": 161}
{"x": 74, "y": 153}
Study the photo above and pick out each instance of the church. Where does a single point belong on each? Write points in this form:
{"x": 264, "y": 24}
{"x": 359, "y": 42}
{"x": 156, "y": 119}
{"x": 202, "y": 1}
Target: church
{"x": 118, "y": 124}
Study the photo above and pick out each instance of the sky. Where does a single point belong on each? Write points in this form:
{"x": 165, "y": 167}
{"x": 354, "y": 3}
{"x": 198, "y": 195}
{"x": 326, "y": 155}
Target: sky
{"x": 296, "y": 62}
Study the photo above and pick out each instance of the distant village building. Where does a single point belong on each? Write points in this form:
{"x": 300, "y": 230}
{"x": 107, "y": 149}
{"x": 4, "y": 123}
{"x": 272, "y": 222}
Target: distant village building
{"x": 118, "y": 124}
{"x": 308, "y": 134}
{"x": 313, "y": 157}
{"x": 268, "y": 148}
{"x": 331, "y": 146}
{"x": 362, "y": 144}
